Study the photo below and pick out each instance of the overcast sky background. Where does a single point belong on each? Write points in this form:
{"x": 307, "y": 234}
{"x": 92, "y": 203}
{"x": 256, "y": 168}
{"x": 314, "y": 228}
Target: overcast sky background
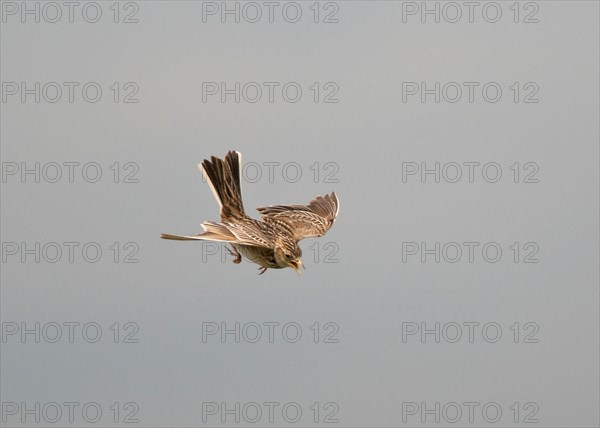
{"x": 367, "y": 136}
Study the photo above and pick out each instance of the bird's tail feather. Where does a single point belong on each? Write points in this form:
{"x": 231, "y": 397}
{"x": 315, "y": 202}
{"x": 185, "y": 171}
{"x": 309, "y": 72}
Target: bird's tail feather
{"x": 223, "y": 177}
{"x": 180, "y": 237}
{"x": 212, "y": 232}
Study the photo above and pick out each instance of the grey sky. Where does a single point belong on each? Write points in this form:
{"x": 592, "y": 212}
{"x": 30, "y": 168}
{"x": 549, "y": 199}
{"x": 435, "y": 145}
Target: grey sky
{"x": 355, "y": 277}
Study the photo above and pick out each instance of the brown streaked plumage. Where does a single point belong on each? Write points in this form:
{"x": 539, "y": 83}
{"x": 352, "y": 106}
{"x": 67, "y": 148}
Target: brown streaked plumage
{"x": 272, "y": 240}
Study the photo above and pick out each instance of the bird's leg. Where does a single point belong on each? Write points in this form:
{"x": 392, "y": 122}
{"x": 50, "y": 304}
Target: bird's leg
{"x": 235, "y": 253}
{"x": 262, "y": 270}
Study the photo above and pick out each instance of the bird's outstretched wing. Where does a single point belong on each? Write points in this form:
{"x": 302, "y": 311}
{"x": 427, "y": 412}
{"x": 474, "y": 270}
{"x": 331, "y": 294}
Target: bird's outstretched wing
{"x": 305, "y": 221}
{"x": 225, "y": 232}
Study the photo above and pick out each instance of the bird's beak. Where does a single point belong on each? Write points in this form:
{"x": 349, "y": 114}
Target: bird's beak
{"x": 296, "y": 265}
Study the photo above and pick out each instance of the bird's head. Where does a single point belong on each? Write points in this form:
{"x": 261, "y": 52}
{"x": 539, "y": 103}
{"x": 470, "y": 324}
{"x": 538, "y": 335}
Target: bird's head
{"x": 288, "y": 255}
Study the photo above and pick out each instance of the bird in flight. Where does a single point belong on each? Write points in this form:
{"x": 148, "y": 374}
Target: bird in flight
{"x": 271, "y": 241}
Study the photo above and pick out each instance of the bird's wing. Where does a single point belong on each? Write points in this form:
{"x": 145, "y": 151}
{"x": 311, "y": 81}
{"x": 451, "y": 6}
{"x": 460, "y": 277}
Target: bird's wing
{"x": 226, "y": 232}
{"x": 313, "y": 219}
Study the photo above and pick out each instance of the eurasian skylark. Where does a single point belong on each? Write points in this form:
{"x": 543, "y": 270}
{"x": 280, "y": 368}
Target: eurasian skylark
{"x": 272, "y": 240}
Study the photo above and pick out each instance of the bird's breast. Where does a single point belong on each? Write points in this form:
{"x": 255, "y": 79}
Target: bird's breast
{"x": 264, "y": 257}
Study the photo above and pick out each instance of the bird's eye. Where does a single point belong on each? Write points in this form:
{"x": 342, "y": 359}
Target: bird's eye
{"x": 288, "y": 256}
